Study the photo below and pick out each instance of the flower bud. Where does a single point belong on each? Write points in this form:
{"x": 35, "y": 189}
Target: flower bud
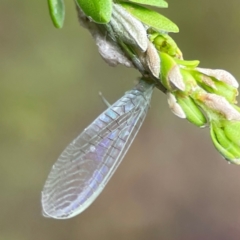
{"x": 220, "y": 75}
{"x": 222, "y": 134}
{"x": 232, "y": 131}
{"x": 170, "y": 76}
{"x": 189, "y": 81}
{"x": 212, "y": 85}
{"x": 217, "y": 106}
{"x": 164, "y": 43}
{"x": 191, "y": 110}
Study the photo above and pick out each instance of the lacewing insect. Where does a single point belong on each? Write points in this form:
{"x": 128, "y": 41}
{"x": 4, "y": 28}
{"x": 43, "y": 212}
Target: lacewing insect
{"x": 88, "y": 162}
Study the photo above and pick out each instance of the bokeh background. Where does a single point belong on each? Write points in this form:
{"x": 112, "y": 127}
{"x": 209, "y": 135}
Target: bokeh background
{"x": 172, "y": 184}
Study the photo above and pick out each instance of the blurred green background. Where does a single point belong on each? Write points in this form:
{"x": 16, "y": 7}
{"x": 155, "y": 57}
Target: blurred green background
{"x": 172, "y": 183}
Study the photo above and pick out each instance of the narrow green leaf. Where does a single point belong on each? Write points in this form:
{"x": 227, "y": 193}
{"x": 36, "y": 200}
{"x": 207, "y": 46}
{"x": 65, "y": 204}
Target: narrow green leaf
{"x": 99, "y": 10}
{"x": 57, "y": 12}
{"x": 150, "y": 18}
{"x": 155, "y": 3}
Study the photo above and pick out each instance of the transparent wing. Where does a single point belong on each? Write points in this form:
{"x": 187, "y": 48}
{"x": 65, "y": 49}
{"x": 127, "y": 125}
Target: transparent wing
{"x": 86, "y": 165}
